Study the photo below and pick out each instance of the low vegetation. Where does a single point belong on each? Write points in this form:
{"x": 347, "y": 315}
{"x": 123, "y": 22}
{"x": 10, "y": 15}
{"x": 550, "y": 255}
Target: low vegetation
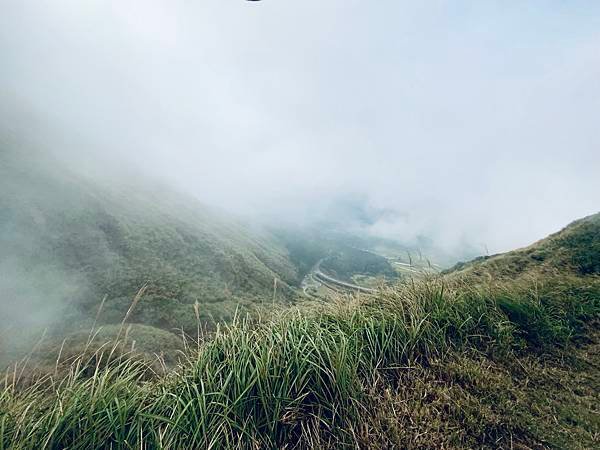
{"x": 418, "y": 365}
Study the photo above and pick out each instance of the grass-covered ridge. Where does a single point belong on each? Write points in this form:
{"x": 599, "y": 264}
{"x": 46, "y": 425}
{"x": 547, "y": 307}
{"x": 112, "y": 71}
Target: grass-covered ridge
{"x": 576, "y": 248}
{"x": 312, "y": 377}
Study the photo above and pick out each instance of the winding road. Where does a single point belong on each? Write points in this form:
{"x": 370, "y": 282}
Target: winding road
{"x": 316, "y": 277}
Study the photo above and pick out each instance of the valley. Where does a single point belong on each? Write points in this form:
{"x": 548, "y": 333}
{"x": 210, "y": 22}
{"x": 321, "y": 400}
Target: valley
{"x": 163, "y": 295}
{"x": 77, "y": 249}
{"x": 509, "y": 341}
{"x": 316, "y": 279}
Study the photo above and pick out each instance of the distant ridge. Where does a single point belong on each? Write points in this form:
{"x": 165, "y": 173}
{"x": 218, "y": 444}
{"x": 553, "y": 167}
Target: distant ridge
{"x": 575, "y": 248}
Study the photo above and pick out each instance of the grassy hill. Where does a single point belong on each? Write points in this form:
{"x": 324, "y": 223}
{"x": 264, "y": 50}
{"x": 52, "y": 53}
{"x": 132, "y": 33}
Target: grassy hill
{"x": 69, "y": 240}
{"x": 576, "y": 249}
{"x": 471, "y": 359}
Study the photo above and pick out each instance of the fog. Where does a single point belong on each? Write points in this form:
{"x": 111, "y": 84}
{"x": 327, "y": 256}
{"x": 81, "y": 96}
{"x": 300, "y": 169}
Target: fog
{"x": 467, "y": 122}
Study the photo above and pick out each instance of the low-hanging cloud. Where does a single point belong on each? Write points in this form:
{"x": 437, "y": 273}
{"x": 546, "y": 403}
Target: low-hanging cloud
{"x": 475, "y": 122}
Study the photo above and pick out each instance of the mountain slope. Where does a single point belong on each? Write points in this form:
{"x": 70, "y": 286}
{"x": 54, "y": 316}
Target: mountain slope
{"x": 576, "y": 249}
{"x": 68, "y": 238}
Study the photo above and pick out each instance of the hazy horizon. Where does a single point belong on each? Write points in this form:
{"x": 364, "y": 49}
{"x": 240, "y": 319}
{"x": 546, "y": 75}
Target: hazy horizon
{"x": 467, "y": 123}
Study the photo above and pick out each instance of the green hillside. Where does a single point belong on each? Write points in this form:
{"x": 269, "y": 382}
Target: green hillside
{"x": 69, "y": 239}
{"x": 470, "y": 359}
{"x": 576, "y": 249}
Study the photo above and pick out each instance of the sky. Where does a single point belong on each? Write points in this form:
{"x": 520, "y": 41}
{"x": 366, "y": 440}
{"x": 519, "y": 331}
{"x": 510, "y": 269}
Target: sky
{"x": 472, "y": 121}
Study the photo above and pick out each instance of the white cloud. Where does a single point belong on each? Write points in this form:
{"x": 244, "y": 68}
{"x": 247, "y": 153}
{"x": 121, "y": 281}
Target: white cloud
{"x": 476, "y": 121}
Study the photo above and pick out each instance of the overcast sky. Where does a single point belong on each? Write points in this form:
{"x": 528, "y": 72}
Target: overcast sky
{"x": 476, "y": 120}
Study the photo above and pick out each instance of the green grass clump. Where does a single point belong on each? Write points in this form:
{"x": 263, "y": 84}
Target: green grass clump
{"x": 553, "y": 313}
{"x": 319, "y": 377}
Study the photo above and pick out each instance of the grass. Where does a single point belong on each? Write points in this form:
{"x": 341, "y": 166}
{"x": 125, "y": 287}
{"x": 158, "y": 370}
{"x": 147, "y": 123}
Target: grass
{"x": 430, "y": 363}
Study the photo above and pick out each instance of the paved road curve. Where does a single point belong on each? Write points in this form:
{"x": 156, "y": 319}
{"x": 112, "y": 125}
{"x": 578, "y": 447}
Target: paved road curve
{"x": 317, "y": 274}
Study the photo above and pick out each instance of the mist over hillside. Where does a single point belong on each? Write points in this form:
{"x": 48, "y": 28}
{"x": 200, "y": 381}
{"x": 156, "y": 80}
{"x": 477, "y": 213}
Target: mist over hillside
{"x": 69, "y": 241}
{"x": 499, "y": 351}
{"x": 228, "y": 153}
{"x": 299, "y": 225}
{"x": 78, "y": 246}
{"x": 463, "y": 125}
